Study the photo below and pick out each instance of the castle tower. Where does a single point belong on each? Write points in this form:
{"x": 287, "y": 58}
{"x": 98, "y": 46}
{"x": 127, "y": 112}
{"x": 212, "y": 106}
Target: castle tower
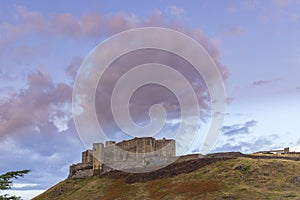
{"x": 87, "y": 156}
{"x": 98, "y": 151}
{"x": 109, "y": 143}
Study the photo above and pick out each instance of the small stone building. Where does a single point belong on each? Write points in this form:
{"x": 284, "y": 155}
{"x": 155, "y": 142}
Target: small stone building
{"x": 292, "y": 150}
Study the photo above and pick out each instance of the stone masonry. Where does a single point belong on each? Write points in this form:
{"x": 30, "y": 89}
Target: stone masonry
{"x": 134, "y": 153}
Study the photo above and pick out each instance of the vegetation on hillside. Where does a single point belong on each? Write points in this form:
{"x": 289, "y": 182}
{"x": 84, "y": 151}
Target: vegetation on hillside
{"x": 241, "y": 178}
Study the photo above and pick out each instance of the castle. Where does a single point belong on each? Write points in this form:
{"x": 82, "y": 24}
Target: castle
{"x": 134, "y": 153}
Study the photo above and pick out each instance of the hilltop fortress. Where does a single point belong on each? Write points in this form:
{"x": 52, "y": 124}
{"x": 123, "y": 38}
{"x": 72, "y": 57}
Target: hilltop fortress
{"x": 134, "y": 153}
{"x": 149, "y": 153}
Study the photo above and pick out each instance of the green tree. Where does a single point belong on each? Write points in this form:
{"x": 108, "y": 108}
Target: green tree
{"x": 6, "y": 182}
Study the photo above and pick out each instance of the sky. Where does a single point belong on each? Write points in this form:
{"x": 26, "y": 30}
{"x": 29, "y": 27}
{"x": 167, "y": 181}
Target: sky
{"x": 255, "y": 45}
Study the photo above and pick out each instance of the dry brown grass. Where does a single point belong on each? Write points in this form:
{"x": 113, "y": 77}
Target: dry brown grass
{"x": 263, "y": 179}
{"x": 194, "y": 187}
{"x": 162, "y": 188}
{"x": 295, "y": 155}
{"x": 116, "y": 189}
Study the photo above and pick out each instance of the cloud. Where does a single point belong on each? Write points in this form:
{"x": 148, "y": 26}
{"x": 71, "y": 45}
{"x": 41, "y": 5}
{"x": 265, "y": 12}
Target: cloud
{"x": 33, "y": 106}
{"x": 281, "y": 3}
{"x": 239, "y": 129}
{"x": 234, "y": 31}
{"x": 25, "y": 194}
{"x": 94, "y": 25}
{"x": 250, "y": 4}
{"x": 73, "y": 66}
{"x": 264, "y": 82}
{"x": 46, "y": 153}
{"x": 66, "y": 24}
{"x": 36, "y": 127}
{"x": 248, "y": 145}
{"x": 148, "y": 95}
{"x": 24, "y": 185}
{"x": 85, "y": 27}
{"x": 175, "y": 11}
{"x": 231, "y": 9}
{"x": 261, "y": 82}
{"x": 251, "y": 123}
{"x": 280, "y": 11}
{"x": 48, "y": 102}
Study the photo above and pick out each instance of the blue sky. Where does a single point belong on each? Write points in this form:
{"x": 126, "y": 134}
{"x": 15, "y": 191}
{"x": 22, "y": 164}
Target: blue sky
{"x": 256, "y": 44}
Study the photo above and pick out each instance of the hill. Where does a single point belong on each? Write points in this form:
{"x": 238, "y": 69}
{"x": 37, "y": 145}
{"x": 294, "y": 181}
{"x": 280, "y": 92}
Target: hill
{"x": 236, "y": 176}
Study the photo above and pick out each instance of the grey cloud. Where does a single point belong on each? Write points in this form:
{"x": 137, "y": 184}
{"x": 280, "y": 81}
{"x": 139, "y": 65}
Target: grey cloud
{"x": 47, "y": 153}
{"x": 261, "y": 82}
{"x": 147, "y": 95}
{"x": 175, "y": 11}
{"x": 249, "y": 145}
{"x": 228, "y": 147}
{"x": 251, "y": 123}
{"x": 239, "y": 129}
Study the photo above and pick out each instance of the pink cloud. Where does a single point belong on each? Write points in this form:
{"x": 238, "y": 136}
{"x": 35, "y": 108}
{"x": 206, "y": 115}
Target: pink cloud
{"x": 73, "y": 66}
{"x": 66, "y": 24}
{"x": 281, "y": 3}
{"x": 93, "y": 25}
{"x": 61, "y": 24}
{"x": 32, "y": 107}
{"x": 35, "y": 106}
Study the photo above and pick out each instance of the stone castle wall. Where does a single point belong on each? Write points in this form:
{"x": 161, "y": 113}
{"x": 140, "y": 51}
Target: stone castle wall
{"x": 130, "y": 153}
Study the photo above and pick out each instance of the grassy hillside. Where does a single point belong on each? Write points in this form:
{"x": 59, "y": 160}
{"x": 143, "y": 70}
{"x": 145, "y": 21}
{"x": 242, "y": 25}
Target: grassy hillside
{"x": 241, "y": 178}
